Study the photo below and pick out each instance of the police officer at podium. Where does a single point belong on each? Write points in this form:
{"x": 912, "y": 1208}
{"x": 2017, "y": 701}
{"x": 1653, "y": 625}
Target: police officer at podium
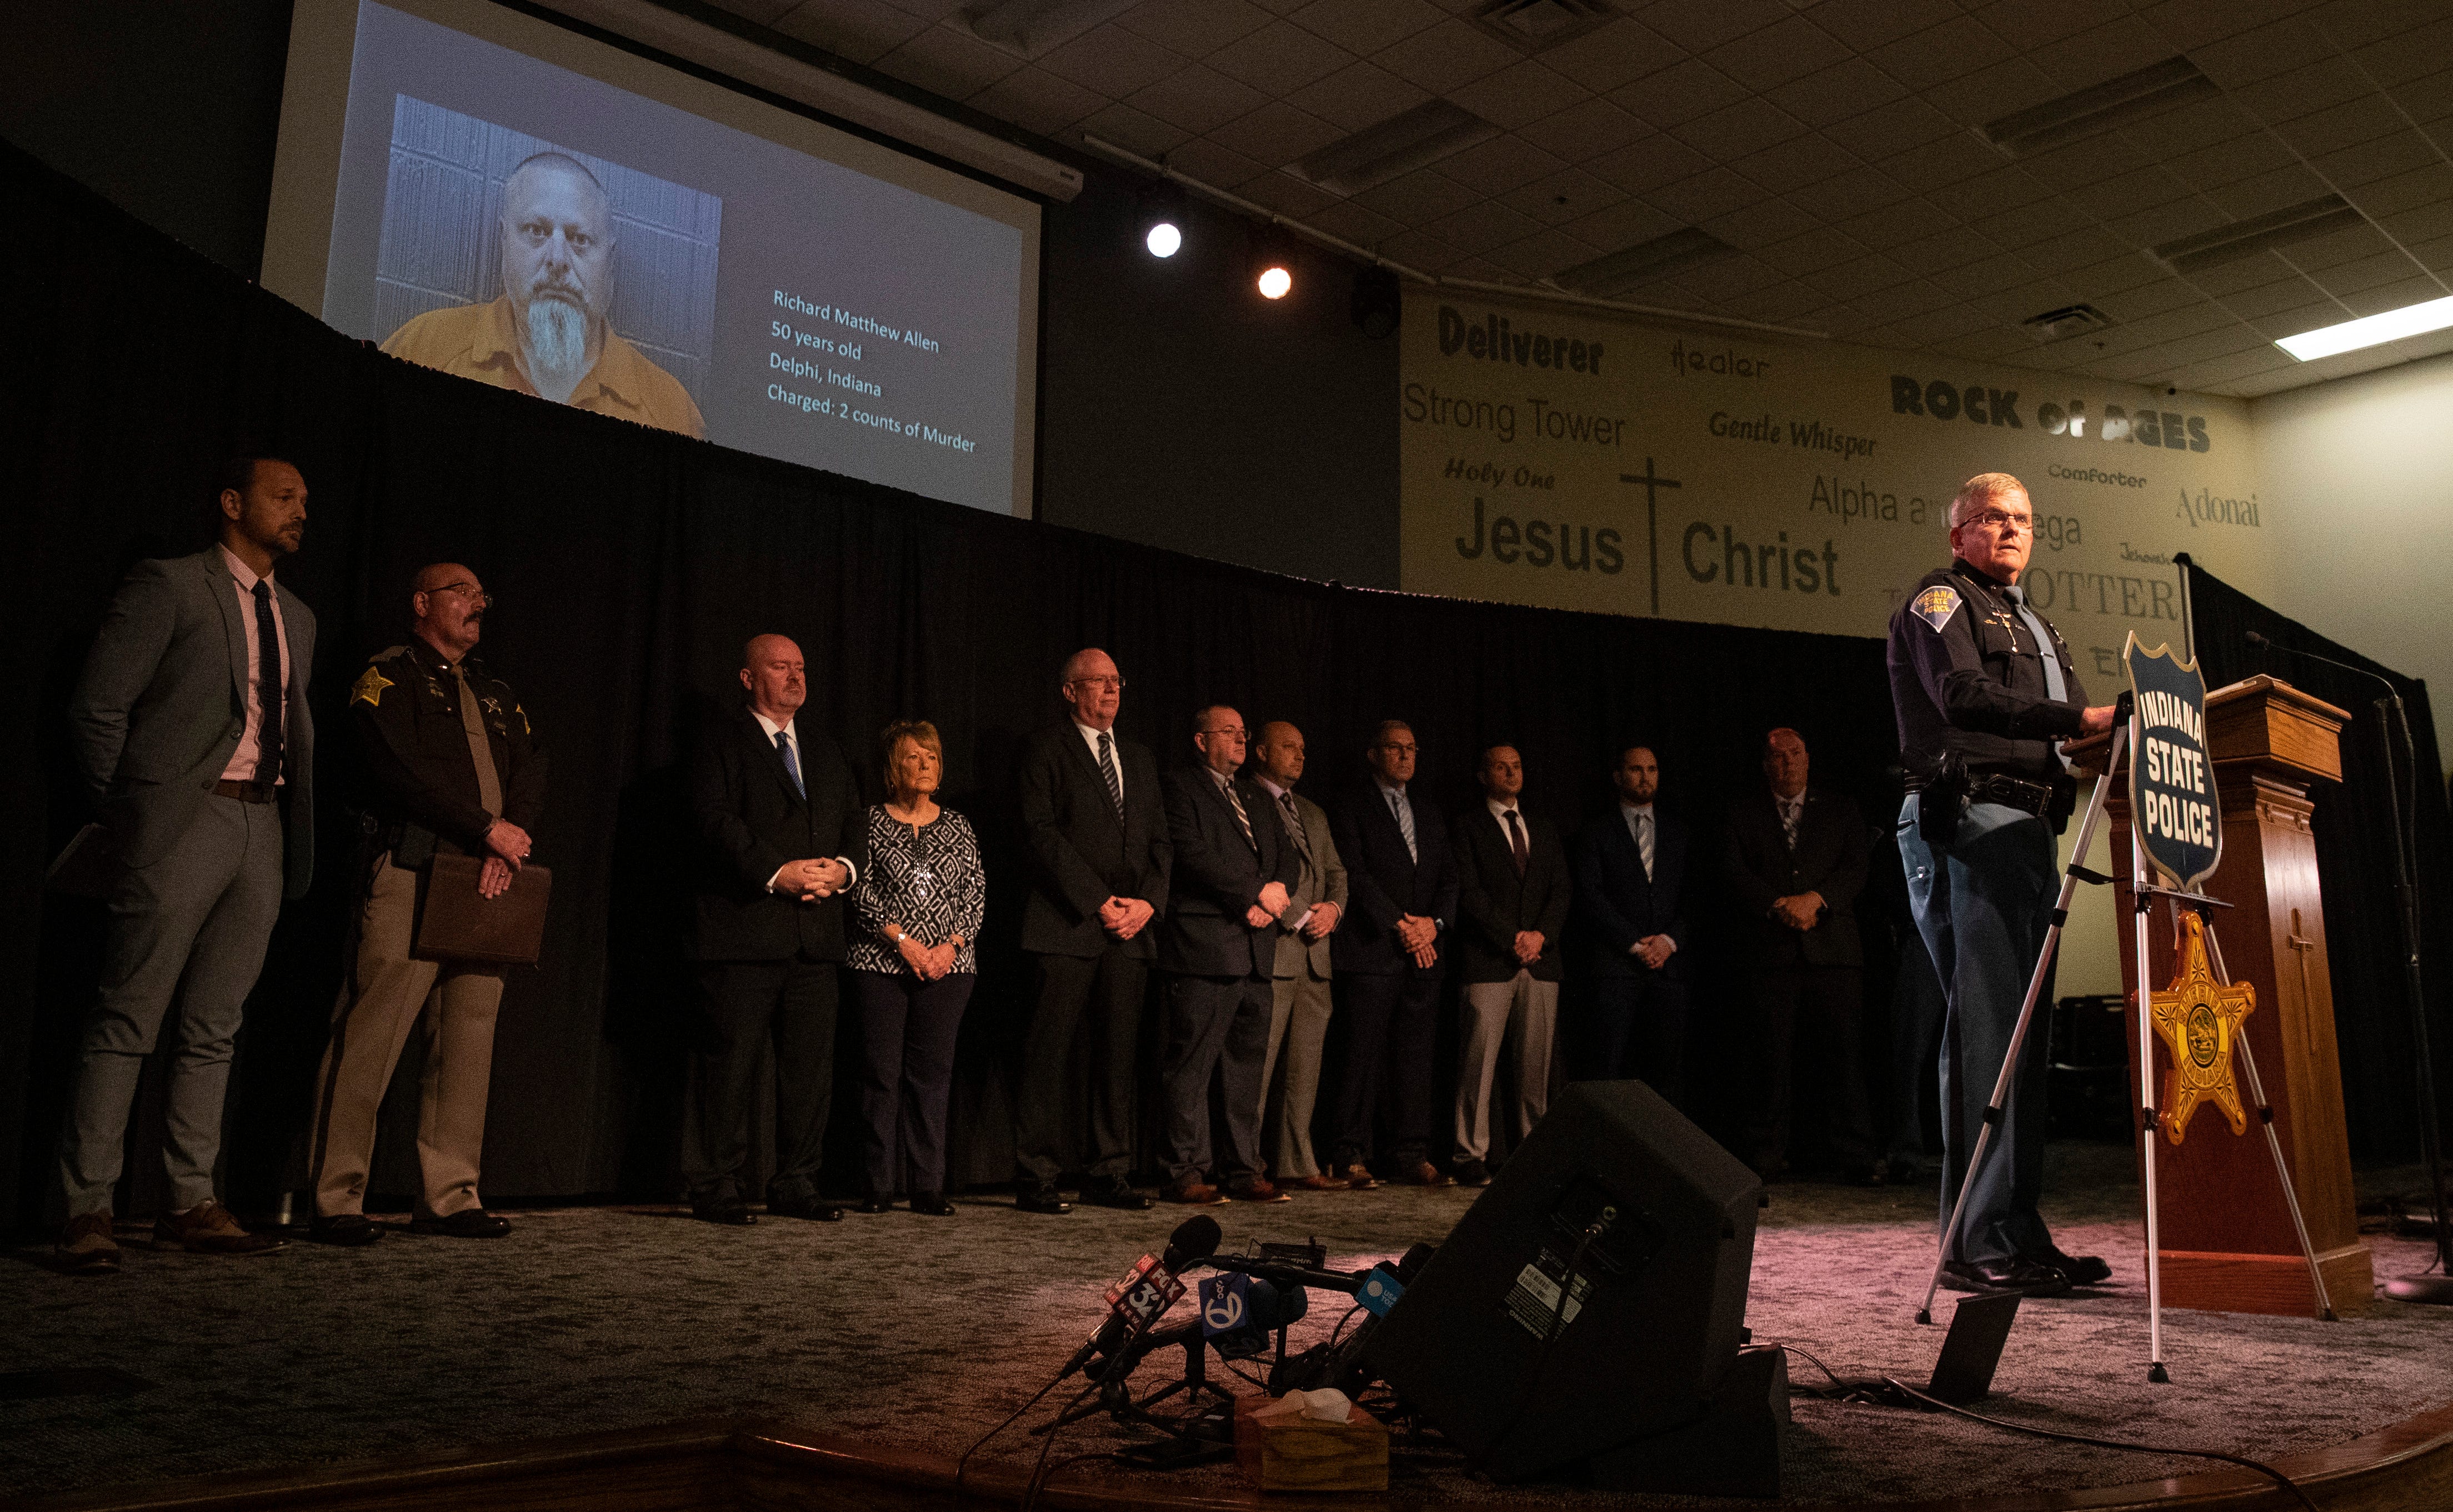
{"x": 1986, "y": 693}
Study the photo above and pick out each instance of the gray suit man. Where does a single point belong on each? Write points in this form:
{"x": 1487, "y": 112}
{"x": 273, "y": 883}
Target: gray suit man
{"x": 190, "y": 725}
{"x": 1300, "y": 1005}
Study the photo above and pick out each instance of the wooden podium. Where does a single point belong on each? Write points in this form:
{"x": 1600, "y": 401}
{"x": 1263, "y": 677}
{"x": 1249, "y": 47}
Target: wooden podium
{"x": 2228, "y": 1245}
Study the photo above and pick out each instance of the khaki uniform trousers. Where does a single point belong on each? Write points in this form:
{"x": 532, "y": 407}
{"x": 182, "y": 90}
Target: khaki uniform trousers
{"x": 1526, "y": 1011}
{"x": 1298, "y": 1007}
{"x": 388, "y": 995}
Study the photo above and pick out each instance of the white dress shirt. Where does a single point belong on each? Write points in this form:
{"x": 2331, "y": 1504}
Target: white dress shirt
{"x": 851, "y": 873}
{"x": 1115, "y": 748}
{"x": 1278, "y": 796}
{"x": 243, "y": 760}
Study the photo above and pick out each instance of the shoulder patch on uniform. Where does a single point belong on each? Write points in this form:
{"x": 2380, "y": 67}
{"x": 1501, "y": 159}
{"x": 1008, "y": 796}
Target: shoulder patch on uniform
{"x": 388, "y": 652}
{"x": 368, "y": 688}
{"x": 1935, "y": 605}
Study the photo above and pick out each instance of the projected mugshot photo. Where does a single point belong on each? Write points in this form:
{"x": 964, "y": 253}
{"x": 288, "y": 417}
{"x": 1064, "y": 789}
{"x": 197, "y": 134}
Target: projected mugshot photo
{"x": 519, "y": 264}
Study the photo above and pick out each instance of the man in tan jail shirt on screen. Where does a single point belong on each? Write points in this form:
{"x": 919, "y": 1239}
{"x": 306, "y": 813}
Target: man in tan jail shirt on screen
{"x": 546, "y": 333}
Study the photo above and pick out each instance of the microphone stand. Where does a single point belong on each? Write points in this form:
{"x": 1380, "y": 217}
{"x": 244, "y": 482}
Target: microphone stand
{"x": 2435, "y": 1288}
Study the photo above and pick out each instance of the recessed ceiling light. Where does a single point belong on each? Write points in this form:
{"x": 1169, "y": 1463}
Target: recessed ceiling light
{"x": 2373, "y": 331}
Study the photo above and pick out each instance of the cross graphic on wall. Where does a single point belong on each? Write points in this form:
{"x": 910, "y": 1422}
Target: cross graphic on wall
{"x": 1652, "y": 486}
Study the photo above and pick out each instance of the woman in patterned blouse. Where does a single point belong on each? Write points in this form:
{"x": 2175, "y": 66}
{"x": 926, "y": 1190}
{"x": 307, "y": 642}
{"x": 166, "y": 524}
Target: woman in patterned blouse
{"x": 918, "y": 906}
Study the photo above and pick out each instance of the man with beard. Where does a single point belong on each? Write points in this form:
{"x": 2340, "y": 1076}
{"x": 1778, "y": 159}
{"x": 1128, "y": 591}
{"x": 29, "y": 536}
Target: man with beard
{"x": 190, "y": 725}
{"x": 452, "y": 767}
{"x": 547, "y": 332}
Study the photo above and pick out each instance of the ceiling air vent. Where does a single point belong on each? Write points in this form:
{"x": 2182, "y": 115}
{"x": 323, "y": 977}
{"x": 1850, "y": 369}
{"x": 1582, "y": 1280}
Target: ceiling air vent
{"x": 2242, "y": 240}
{"x": 2071, "y": 320}
{"x": 1395, "y": 147}
{"x": 2151, "y": 90}
{"x": 1534, "y": 26}
{"x": 1033, "y": 26}
{"x": 1616, "y": 273}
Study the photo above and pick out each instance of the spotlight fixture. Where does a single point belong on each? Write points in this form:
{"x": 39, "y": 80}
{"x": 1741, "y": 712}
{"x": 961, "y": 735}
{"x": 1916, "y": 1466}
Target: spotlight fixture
{"x": 1375, "y": 307}
{"x": 1272, "y": 270}
{"x": 1162, "y": 220}
{"x": 1163, "y": 238}
{"x": 2374, "y": 331}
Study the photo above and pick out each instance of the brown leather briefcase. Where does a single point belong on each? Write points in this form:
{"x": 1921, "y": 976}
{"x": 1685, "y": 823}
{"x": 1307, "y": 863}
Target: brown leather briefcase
{"x": 454, "y": 923}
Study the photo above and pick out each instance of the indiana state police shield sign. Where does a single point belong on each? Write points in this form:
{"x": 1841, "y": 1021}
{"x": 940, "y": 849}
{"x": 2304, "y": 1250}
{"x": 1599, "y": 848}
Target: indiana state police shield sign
{"x": 2171, "y": 777}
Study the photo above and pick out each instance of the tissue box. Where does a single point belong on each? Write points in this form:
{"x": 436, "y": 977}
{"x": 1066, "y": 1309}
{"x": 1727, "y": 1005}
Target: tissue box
{"x": 1306, "y": 1455}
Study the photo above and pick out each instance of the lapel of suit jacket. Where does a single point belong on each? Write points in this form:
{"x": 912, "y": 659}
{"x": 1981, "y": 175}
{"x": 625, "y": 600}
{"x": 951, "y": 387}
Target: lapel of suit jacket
{"x": 757, "y": 735}
{"x": 223, "y": 589}
{"x": 1226, "y": 809}
{"x": 1086, "y": 765}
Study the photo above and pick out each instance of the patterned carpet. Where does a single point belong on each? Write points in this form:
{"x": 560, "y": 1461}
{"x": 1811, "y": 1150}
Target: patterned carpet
{"x": 924, "y": 1332}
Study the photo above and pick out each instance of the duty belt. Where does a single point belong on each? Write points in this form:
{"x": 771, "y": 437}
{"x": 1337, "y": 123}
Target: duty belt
{"x": 2010, "y": 792}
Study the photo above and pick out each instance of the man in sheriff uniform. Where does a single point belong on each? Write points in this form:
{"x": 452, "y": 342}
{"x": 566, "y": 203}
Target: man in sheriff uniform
{"x": 451, "y": 766}
{"x": 1984, "y": 691}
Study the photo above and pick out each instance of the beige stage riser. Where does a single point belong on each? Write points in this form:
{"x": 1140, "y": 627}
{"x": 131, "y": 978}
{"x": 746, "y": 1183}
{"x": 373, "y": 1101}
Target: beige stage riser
{"x": 2268, "y": 1283}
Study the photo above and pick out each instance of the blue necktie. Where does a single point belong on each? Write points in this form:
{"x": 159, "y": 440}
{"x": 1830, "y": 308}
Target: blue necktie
{"x": 791, "y": 763}
{"x": 2054, "y": 687}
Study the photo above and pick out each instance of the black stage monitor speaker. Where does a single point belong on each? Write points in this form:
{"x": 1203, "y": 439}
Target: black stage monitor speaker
{"x": 1658, "y": 1308}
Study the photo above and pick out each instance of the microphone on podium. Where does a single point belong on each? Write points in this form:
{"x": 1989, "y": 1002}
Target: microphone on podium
{"x": 1149, "y": 1289}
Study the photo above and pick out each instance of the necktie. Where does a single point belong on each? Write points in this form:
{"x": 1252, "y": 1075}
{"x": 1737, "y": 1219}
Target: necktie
{"x": 1791, "y": 810}
{"x": 1226, "y": 785}
{"x": 2054, "y": 687}
{"x": 1404, "y": 812}
{"x": 1108, "y": 771}
{"x": 1516, "y": 842}
{"x": 489, "y": 782}
{"x": 267, "y": 687}
{"x": 1294, "y": 827}
{"x": 1639, "y": 823}
{"x": 791, "y": 763}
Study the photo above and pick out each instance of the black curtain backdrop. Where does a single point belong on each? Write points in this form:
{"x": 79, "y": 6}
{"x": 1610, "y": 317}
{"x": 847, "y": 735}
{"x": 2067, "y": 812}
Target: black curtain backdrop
{"x": 2355, "y": 861}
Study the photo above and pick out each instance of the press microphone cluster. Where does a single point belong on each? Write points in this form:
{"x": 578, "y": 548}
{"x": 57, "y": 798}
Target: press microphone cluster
{"x": 1149, "y": 1291}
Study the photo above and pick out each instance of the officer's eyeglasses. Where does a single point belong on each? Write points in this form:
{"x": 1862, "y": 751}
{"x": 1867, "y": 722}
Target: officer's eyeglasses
{"x": 2006, "y": 524}
{"x": 1116, "y": 683}
{"x": 476, "y": 596}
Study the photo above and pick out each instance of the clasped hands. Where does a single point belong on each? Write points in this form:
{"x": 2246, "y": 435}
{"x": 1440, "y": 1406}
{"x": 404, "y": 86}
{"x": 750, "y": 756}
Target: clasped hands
{"x": 928, "y": 963}
{"x": 1529, "y": 946}
{"x": 1124, "y": 916}
{"x": 508, "y": 847}
{"x": 1272, "y": 903}
{"x": 1653, "y": 949}
{"x": 1420, "y": 936}
{"x": 814, "y": 878}
{"x": 1799, "y": 910}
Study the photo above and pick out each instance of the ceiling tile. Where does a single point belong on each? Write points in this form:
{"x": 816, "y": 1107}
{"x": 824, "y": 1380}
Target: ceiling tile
{"x": 1286, "y": 194}
{"x": 1845, "y": 89}
{"x": 860, "y": 31}
{"x": 2267, "y": 192}
{"x": 1199, "y": 99}
{"x": 2166, "y": 220}
{"x": 1367, "y": 26}
{"x": 1679, "y": 94}
{"x": 1477, "y": 229}
{"x": 1701, "y": 196}
{"x": 1279, "y": 57}
{"x": 1777, "y": 303}
{"x": 1897, "y": 225}
{"x": 1789, "y": 48}
{"x": 1194, "y": 27}
{"x": 1989, "y": 93}
{"x": 2318, "y": 85}
{"x": 1542, "y": 254}
{"x": 2042, "y": 222}
{"x": 2290, "y": 291}
{"x": 2115, "y": 275}
{"x": 931, "y": 10}
{"x": 1569, "y": 195}
{"x": 2087, "y": 58}
{"x": 2343, "y": 280}
{"x": 2228, "y": 162}
{"x": 2132, "y": 307}
{"x": 1445, "y": 56}
{"x": 1892, "y": 302}
{"x": 1418, "y": 197}
{"x": 1762, "y": 224}
{"x": 762, "y": 11}
{"x": 1949, "y": 254}
{"x": 2075, "y": 248}
{"x": 1499, "y": 165}
{"x": 1730, "y": 278}
{"x": 1941, "y": 324}
{"x": 949, "y": 63}
{"x": 1844, "y": 194}
{"x": 2076, "y": 166}
{"x": 1422, "y": 250}
{"x": 1212, "y": 163}
{"x": 1037, "y": 100}
{"x": 2239, "y": 60}
{"x": 1994, "y": 193}
{"x": 1611, "y": 56}
{"x": 2411, "y": 55}
{"x": 2347, "y": 246}
{"x": 1933, "y": 57}
{"x": 1861, "y": 276}
{"x": 1945, "y": 160}
{"x": 2344, "y": 125}
{"x": 2412, "y": 290}
{"x": 1623, "y": 225}
{"x": 1802, "y": 255}
{"x": 2315, "y": 315}
{"x": 1642, "y": 166}
{"x": 2429, "y": 99}
{"x": 1112, "y": 60}
{"x": 1523, "y": 93}
{"x": 1865, "y": 24}
{"x": 2028, "y": 26}
{"x": 2371, "y": 161}
{"x": 1737, "y": 131}
{"x": 1134, "y": 130}
{"x": 1358, "y": 95}
{"x": 2209, "y": 377}
{"x": 1698, "y": 28}
{"x": 2437, "y": 255}
{"x": 2421, "y": 224}
{"x": 1277, "y": 133}
{"x": 1354, "y": 224}
{"x": 2195, "y": 124}
{"x": 2187, "y": 24}
{"x": 2230, "y": 282}
{"x": 2431, "y": 185}
{"x": 1890, "y": 129}
{"x": 1584, "y": 129}
{"x": 1793, "y": 165}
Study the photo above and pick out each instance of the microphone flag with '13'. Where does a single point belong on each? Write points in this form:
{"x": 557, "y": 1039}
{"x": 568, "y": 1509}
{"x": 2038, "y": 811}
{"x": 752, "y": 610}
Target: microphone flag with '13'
{"x": 1149, "y": 1288}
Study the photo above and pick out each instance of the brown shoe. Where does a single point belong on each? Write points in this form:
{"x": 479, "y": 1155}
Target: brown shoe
{"x": 1423, "y": 1173}
{"x": 1256, "y": 1189}
{"x": 1359, "y": 1178}
{"x": 209, "y": 1229}
{"x": 1321, "y": 1183}
{"x": 1196, "y": 1194}
{"x": 87, "y": 1247}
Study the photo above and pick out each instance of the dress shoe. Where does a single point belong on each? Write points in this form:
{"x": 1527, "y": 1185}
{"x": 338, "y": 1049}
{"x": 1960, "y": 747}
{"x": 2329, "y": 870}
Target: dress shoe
{"x": 1359, "y": 1178}
{"x": 805, "y": 1205}
{"x": 1472, "y": 1173}
{"x": 2083, "y": 1270}
{"x": 87, "y": 1247}
{"x": 1040, "y": 1197}
{"x": 1321, "y": 1183}
{"x": 875, "y": 1202}
{"x": 1423, "y": 1173}
{"x": 931, "y": 1203}
{"x": 722, "y": 1208}
{"x": 1256, "y": 1189}
{"x": 2027, "y": 1277}
{"x": 469, "y": 1222}
{"x": 1196, "y": 1194}
{"x": 348, "y": 1229}
{"x": 209, "y": 1229}
{"x": 1117, "y": 1195}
